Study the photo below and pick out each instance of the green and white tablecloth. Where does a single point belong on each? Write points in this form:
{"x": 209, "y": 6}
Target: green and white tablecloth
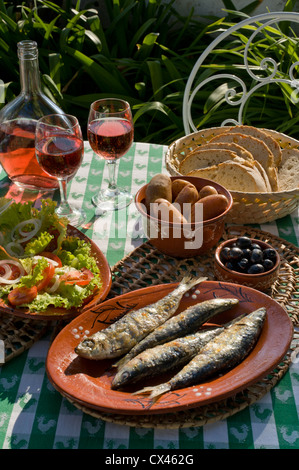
{"x": 34, "y": 415}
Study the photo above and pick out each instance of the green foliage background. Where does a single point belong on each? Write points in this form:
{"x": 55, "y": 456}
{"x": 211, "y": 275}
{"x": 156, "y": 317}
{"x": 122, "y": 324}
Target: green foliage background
{"x": 144, "y": 53}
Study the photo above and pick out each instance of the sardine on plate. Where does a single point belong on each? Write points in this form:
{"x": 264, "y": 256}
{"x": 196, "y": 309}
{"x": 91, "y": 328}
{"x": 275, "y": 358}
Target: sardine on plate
{"x": 179, "y": 325}
{"x": 122, "y": 335}
{"x": 163, "y": 357}
{"x": 224, "y": 352}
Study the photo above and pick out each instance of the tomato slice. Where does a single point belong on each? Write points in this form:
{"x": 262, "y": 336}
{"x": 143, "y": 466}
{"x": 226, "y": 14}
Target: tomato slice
{"x": 22, "y": 295}
{"x": 81, "y": 278}
{"x": 52, "y": 256}
{"x": 48, "y": 274}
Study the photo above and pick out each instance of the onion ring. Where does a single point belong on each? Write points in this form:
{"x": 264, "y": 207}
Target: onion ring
{"x": 7, "y": 262}
{"x": 5, "y": 206}
{"x": 25, "y": 236}
{"x": 55, "y": 286}
{"x": 7, "y": 271}
{"x": 52, "y": 261}
{"x": 19, "y": 249}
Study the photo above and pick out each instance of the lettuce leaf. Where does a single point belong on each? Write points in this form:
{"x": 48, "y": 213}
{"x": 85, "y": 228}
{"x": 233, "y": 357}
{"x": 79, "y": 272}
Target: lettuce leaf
{"x": 35, "y": 271}
{"x": 38, "y": 244}
{"x": 77, "y": 253}
{"x": 51, "y": 224}
{"x": 73, "y": 252}
{"x": 67, "y": 296}
{"x": 12, "y": 216}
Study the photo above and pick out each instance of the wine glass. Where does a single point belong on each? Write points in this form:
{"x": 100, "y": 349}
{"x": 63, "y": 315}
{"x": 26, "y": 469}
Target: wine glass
{"x": 110, "y": 132}
{"x": 59, "y": 149}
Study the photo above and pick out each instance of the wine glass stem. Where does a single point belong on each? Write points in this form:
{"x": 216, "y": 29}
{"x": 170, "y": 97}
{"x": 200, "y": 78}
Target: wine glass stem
{"x": 111, "y": 175}
{"x": 64, "y": 207}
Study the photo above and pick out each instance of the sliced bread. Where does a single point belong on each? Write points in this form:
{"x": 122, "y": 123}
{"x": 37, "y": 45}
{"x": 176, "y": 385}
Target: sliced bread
{"x": 240, "y": 151}
{"x": 207, "y": 158}
{"x": 288, "y": 173}
{"x": 264, "y": 175}
{"x": 233, "y": 176}
{"x": 259, "y": 150}
{"x": 262, "y": 135}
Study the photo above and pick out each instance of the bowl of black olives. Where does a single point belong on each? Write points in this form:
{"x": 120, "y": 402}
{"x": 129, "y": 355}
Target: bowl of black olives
{"x": 247, "y": 261}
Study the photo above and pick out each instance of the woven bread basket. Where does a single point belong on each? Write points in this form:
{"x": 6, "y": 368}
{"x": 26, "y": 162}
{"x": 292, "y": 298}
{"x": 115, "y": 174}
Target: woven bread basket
{"x": 248, "y": 207}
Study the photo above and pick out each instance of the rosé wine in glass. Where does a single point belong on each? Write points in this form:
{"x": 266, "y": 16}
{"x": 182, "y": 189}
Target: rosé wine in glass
{"x": 111, "y": 137}
{"x": 60, "y": 156}
{"x": 110, "y": 132}
{"x": 59, "y": 150}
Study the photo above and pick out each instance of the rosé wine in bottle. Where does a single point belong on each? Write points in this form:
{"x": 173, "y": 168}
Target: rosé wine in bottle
{"x": 17, "y": 155}
{"x": 18, "y": 120}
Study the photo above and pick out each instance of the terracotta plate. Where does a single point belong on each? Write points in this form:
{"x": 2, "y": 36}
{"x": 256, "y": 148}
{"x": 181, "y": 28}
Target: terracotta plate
{"x": 87, "y": 382}
{"x": 61, "y": 313}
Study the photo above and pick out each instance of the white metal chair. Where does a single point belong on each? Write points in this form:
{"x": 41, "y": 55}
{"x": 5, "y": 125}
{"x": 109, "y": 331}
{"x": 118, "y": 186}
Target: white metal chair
{"x": 268, "y": 66}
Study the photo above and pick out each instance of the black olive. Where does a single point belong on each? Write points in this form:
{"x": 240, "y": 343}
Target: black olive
{"x": 244, "y": 242}
{"x": 268, "y": 264}
{"x": 243, "y": 264}
{"x": 256, "y": 269}
{"x": 230, "y": 266}
{"x": 270, "y": 253}
{"x": 236, "y": 253}
{"x": 224, "y": 254}
{"x": 255, "y": 246}
{"x": 246, "y": 253}
{"x": 256, "y": 256}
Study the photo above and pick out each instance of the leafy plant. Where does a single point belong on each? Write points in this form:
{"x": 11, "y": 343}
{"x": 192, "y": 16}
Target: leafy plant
{"x": 274, "y": 106}
{"x": 144, "y": 53}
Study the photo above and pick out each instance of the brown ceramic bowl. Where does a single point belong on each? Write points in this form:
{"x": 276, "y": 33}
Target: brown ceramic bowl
{"x": 261, "y": 281}
{"x": 183, "y": 240}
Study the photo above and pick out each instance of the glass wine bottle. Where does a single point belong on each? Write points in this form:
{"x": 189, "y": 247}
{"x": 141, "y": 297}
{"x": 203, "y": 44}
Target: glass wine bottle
{"x": 18, "y": 121}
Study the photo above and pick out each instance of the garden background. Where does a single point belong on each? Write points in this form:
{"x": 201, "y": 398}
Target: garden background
{"x": 143, "y": 51}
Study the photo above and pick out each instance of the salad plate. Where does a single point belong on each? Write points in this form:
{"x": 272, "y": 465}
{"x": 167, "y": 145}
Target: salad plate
{"x": 88, "y": 382}
{"x": 78, "y": 256}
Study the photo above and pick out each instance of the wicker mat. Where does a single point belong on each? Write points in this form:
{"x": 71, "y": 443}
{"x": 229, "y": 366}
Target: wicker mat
{"x": 147, "y": 266}
{"x": 19, "y": 334}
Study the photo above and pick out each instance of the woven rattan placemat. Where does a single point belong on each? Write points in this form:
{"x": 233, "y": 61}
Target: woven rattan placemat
{"x": 19, "y": 334}
{"x": 147, "y": 266}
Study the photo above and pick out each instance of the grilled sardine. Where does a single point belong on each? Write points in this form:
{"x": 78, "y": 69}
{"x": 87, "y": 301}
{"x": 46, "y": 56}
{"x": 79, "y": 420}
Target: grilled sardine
{"x": 227, "y": 350}
{"x": 179, "y": 325}
{"x": 122, "y": 335}
{"x": 163, "y": 357}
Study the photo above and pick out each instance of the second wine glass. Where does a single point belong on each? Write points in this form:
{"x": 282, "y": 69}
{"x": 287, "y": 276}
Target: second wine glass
{"x": 110, "y": 132}
{"x": 59, "y": 150}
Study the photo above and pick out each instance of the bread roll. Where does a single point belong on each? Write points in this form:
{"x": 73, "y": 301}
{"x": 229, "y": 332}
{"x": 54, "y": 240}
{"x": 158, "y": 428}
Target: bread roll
{"x": 188, "y": 194}
{"x": 165, "y": 210}
{"x": 177, "y": 186}
{"x": 212, "y": 206}
{"x": 159, "y": 187}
